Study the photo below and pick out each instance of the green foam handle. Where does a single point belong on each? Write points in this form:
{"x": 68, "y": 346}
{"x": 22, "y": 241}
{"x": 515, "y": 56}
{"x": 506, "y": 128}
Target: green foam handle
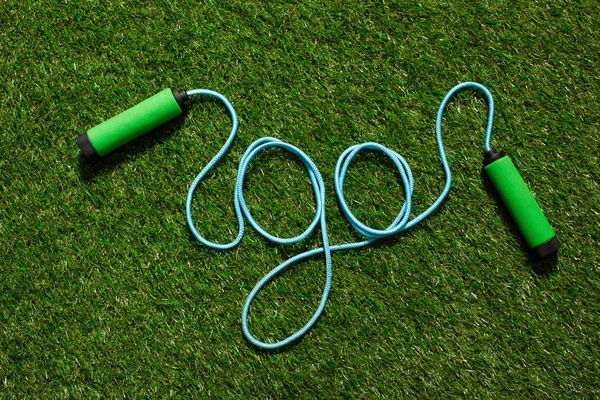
{"x": 522, "y": 206}
{"x": 126, "y": 126}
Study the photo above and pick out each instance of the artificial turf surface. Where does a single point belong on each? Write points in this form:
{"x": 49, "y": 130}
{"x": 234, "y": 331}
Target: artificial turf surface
{"x": 104, "y": 292}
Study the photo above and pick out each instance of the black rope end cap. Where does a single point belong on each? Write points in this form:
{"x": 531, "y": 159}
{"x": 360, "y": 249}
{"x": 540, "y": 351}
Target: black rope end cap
{"x": 492, "y": 155}
{"x": 181, "y": 97}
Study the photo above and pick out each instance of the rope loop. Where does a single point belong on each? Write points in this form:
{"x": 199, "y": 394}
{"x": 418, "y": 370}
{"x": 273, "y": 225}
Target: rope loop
{"x": 401, "y": 222}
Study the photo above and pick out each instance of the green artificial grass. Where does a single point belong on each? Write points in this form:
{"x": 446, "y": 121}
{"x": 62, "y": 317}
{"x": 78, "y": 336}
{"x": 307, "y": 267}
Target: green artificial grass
{"x": 104, "y": 292}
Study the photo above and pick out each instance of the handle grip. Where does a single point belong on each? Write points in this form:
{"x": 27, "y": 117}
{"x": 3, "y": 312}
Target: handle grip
{"x": 126, "y": 126}
{"x": 521, "y": 204}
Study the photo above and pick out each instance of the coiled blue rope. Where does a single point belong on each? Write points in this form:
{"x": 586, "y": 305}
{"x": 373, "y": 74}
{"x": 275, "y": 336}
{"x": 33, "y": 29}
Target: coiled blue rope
{"x": 400, "y": 223}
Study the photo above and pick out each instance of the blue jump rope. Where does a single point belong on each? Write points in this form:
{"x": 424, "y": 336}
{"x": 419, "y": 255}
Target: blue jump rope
{"x": 167, "y": 104}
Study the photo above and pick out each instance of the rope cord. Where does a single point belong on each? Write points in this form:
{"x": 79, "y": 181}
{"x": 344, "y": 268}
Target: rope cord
{"x": 400, "y": 223}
